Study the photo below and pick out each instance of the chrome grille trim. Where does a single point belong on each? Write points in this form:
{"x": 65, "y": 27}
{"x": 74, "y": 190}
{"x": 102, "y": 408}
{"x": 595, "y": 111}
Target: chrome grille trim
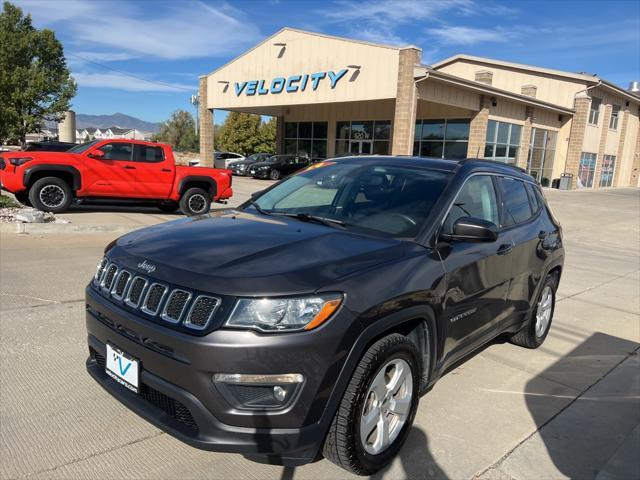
{"x": 167, "y": 304}
{"x": 145, "y": 304}
{"x": 187, "y": 321}
{"x": 116, "y": 282}
{"x": 100, "y": 268}
{"x": 108, "y": 277}
{"x": 127, "y": 298}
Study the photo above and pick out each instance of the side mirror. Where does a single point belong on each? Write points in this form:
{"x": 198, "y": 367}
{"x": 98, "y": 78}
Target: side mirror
{"x": 255, "y": 195}
{"x": 469, "y": 229}
{"x": 97, "y": 154}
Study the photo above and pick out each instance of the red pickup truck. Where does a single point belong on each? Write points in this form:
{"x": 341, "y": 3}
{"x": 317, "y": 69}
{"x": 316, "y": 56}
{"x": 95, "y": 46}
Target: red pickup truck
{"x": 112, "y": 170}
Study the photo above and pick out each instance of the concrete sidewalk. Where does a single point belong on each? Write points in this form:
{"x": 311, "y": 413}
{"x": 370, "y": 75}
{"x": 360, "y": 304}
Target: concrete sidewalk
{"x": 570, "y": 409}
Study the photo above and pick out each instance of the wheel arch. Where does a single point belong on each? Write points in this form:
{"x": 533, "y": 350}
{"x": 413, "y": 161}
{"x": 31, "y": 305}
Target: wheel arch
{"x": 418, "y": 323}
{"x": 65, "y": 172}
{"x": 206, "y": 183}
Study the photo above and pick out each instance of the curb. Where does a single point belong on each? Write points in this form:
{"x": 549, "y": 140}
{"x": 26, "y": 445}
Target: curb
{"x": 62, "y": 228}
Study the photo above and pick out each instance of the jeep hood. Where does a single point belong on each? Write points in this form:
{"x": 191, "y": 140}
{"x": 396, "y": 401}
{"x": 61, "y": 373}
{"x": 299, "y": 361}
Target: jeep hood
{"x": 239, "y": 253}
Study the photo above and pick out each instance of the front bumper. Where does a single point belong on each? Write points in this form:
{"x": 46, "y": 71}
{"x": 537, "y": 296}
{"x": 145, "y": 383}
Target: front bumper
{"x": 177, "y": 393}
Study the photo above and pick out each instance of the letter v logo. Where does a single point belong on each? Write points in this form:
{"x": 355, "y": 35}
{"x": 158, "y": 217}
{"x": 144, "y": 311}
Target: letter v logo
{"x": 123, "y": 371}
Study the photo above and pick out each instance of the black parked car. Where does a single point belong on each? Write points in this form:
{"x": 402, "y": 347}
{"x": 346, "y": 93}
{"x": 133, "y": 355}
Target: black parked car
{"x": 242, "y": 167}
{"x": 49, "y": 146}
{"x": 309, "y": 321}
{"x": 278, "y": 166}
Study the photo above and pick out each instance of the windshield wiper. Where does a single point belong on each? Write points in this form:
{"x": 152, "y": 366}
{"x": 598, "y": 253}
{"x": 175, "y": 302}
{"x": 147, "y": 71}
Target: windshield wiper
{"x": 305, "y": 217}
{"x": 255, "y": 205}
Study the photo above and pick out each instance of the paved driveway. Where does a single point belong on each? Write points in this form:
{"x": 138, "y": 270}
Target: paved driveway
{"x": 570, "y": 409}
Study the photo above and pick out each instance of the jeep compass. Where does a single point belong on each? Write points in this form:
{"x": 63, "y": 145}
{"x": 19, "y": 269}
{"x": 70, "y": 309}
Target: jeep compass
{"x": 309, "y": 321}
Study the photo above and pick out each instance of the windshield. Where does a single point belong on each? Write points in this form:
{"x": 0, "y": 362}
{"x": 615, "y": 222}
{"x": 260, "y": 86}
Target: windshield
{"x": 83, "y": 147}
{"x": 385, "y": 200}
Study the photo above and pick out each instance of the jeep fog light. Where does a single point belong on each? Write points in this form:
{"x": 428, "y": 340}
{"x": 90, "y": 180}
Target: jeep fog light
{"x": 258, "y": 392}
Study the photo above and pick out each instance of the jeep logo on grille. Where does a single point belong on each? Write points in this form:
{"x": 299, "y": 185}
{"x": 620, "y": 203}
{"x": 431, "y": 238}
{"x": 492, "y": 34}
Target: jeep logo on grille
{"x": 147, "y": 267}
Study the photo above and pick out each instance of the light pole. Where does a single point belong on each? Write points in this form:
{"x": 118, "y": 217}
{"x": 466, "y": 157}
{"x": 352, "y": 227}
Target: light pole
{"x": 195, "y": 101}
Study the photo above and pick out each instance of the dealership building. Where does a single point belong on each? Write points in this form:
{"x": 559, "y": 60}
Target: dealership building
{"x": 335, "y": 96}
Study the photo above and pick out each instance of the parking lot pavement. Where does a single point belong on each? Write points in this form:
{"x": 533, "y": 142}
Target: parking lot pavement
{"x": 570, "y": 409}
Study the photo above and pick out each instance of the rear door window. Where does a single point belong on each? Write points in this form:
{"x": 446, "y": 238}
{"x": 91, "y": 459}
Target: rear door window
{"x": 148, "y": 154}
{"x": 515, "y": 200}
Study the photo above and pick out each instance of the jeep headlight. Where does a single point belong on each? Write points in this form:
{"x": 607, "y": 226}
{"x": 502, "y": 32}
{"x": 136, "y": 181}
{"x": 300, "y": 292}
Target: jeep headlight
{"x": 284, "y": 314}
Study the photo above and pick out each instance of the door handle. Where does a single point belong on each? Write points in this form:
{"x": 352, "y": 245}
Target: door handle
{"x": 504, "y": 249}
{"x": 165, "y": 170}
{"x": 129, "y": 167}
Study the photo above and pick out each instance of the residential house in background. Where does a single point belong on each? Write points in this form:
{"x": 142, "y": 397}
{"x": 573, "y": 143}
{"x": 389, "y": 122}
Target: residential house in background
{"x": 92, "y": 133}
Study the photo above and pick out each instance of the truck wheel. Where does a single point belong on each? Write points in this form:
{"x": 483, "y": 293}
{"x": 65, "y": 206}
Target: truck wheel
{"x": 377, "y": 409}
{"x": 169, "y": 207}
{"x": 535, "y": 330}
{"x": 275, "y": 174}
{"x": 23, "y": 198}
{"x": 50, "y": 194}
{"x": 195, "y": 201}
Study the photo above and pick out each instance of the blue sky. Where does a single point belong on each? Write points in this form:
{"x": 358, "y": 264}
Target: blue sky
{"x": 168, "y": 44}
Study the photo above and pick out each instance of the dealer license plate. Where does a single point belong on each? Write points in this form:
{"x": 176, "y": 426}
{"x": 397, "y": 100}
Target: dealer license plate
{"x": 122, "y": 368}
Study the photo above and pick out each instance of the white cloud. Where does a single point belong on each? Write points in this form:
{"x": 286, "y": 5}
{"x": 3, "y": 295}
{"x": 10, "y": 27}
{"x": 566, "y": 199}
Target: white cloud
{"x": 460, "y": 35}
{"x": 123, "y": 82}
{"x": 174, "y": 31}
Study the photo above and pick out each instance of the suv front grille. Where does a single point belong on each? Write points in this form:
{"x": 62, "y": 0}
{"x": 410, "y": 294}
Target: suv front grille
{"x": 154, "y": 298}
{"x": 201, "y": 312}
{"x": 175, "y": 306}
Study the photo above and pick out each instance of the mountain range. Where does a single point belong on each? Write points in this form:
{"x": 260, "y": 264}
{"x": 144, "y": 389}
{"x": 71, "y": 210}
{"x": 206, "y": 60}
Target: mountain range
{"x": 116, "y": 120}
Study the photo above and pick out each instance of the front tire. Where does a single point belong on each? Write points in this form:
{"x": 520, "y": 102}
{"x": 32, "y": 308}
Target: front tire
{"x": 51, "y": 194}
{"x": 274, "y": 174}
{"x": 195, "y": 201}
{"x": 377, "y": 409}
{"x": 536, "y": 329}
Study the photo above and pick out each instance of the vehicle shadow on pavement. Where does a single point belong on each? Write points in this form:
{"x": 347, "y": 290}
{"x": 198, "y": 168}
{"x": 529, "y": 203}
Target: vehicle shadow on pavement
{"x": 595, "y": 435}
{"x": 416, "y": 460}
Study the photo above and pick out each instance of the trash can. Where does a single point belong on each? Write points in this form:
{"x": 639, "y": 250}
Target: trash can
{"x": 555, "y": 183}
{"x": 565, "y": 181}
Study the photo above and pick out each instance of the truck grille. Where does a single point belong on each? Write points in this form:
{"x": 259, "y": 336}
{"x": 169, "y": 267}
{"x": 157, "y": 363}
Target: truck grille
{"x": 174, "y": 306}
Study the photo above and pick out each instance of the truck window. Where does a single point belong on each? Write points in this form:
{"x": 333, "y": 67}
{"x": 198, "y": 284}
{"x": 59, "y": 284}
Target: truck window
{"x": 148, "y": 154}
{"x": 117, "y": 151}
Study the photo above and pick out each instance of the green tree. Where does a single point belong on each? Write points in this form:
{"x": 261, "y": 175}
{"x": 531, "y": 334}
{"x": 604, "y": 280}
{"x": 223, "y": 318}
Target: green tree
{"x": 179, "y": 132}
{"x": 35, "y": 83}
{"x": 267, "y": 136}
{"x": 239, "y": 133}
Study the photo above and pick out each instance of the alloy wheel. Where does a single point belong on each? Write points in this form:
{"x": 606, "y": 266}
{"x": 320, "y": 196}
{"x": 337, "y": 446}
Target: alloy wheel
{"x": 197, "y": 203}
{"x": 52, "y": 196}
{"x": 543, "y": 311}
{"x": 387, "y": 406}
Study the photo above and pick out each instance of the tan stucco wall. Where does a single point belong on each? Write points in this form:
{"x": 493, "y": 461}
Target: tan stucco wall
{"x": 557, "y": 90}
{"x": 305, "y": 54}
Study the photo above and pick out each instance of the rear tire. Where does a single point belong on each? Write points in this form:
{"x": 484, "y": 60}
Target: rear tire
{"x": 195, "y": 201}
{"x": 51, "y": 194}
{"x": 169, "y": 207}
{"x": 274, "y": 174}
{"x": 363, "y": 409}
{"x": 536, "y": 329}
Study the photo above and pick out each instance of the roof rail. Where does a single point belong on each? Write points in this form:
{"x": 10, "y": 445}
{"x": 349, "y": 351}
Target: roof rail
{"x": 496, "y": 162}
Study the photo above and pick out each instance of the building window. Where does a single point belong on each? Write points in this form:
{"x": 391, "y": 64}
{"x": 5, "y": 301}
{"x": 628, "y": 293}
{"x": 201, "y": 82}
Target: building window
{"x": 608, "y": 169}
{"x": 615, "y": 114}
{"x": 586, "y": 170}
{"x": 363, "y": 137}
{"x": 441, "y": 138}
{"x": 306, "y": 139}
{"x": 594, "y": 113}
{"x": 542, "y": 149}
{"x": 503, "y": 141}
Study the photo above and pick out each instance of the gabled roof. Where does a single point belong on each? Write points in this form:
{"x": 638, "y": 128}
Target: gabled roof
{"x": 119, "y": 131}
{"x": 591, "y": 79}
{"x": 306, "y": 32}
{"x": 423, "y": 72}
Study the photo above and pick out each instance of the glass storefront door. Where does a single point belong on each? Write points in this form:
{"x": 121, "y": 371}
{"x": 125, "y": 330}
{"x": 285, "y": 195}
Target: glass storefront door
{"x": 361, "y": 147}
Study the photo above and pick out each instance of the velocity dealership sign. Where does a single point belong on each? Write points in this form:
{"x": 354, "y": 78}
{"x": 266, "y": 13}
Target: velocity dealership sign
{"x": 292, "y": 84}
